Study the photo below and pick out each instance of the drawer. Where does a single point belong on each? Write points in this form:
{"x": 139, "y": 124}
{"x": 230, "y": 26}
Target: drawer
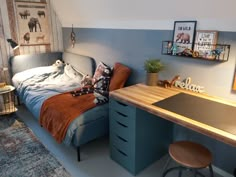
{"x": 120, "y": 117}
{"x": 124, "y": 131}
{"x": 121, "y": 107}
{"x": 123, "y": 159}
{"x": 125, "y": 145}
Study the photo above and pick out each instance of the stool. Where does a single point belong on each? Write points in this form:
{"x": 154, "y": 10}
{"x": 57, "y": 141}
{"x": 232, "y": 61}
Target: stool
{"x": 191, "y": 156}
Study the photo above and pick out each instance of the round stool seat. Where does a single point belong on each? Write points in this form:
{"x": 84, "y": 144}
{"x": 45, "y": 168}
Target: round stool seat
{"x": 190, "y": 154}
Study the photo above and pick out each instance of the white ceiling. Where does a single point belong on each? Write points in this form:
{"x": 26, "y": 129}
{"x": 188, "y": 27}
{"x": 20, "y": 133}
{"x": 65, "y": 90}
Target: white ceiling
{"x": 146, "y": 14}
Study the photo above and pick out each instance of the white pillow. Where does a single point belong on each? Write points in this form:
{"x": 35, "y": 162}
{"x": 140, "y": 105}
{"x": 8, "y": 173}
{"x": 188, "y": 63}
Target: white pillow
{"x": 71, "y": 72}
{"x": 26, "y": 74}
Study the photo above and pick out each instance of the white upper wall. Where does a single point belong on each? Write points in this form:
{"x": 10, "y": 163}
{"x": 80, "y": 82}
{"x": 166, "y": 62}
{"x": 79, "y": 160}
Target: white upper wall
{"x": 146, "y": 14}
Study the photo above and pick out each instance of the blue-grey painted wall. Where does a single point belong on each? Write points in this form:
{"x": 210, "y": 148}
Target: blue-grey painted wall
{"x": 133, "y": 47}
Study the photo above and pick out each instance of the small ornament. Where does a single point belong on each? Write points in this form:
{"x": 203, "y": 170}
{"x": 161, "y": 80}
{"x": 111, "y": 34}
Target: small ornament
{"x": 174, "y": 49}
{"x": 167, "y": 83}
{"x": 72, "y": 37}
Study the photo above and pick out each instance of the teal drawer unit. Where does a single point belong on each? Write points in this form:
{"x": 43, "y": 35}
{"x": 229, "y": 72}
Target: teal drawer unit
{"x": 137, "y": 138}
{"x": 122, "y": 133}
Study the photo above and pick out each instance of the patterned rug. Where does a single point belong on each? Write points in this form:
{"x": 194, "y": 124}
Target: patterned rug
{"x": 21, "y": 153}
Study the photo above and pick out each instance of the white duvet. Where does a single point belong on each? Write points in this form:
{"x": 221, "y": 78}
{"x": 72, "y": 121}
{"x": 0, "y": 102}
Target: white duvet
{"x": 35, "y": 85}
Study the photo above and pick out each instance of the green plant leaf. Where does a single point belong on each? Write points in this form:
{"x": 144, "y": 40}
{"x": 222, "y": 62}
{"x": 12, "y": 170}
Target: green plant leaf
{"x": 153, "y": 65}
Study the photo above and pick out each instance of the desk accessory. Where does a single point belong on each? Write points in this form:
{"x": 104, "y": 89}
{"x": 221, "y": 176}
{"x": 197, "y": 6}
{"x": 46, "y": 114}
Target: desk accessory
{"x": 166, "y": 83}
{"x": 186, "y": 84}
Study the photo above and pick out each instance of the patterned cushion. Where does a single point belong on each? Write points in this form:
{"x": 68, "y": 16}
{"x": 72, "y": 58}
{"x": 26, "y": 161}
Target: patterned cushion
{"x": 102, "y": 69}
{"x": 101, "y": 81}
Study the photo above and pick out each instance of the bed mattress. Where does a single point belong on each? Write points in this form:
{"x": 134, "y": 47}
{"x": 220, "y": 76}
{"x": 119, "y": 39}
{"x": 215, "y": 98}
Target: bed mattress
{"x": 35, "y": 85}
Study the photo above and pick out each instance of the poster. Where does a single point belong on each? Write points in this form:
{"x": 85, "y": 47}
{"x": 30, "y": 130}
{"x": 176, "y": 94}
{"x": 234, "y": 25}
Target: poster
{"x": 33, "y": 26}
{"x": 184, "y": 34}
{"x": 205, "y": 42}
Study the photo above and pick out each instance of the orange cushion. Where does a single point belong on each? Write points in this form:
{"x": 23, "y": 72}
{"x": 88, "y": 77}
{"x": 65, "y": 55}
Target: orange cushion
{"x": 119, "y": 76}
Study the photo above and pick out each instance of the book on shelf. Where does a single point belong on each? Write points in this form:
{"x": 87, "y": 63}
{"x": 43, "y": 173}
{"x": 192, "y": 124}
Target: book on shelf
{"x": 2, "y": 84}
{"x": 5, "y": 88}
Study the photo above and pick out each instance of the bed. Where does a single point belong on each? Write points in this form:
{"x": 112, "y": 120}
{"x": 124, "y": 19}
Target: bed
{"x": 29, "y": 71}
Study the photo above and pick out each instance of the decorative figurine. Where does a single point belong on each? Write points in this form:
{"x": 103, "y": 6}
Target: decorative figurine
{"x": 216, "y": 53}
{"x": 174, "y": 49}
{"x": 187, "y": 52}
{"x": 167, "y": 83}
{"x": 169, "y": 47}
{"x": 195, "y": 54}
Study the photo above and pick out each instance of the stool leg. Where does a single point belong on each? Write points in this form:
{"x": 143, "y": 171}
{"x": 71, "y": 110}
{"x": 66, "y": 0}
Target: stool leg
{"x": 171, "y": 169}
{"x": 166, "y": 165}
{"x": 211, "y": 171}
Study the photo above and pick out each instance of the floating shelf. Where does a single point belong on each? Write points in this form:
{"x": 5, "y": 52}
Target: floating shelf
{"x": 210, "y": 52}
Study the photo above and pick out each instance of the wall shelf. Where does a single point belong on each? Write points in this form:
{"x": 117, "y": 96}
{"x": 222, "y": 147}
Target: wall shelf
{"x": 210, "y": 52}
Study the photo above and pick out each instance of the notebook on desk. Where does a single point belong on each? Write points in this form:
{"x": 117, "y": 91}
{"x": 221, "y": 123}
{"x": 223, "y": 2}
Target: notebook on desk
{"x": 206, "y": 111}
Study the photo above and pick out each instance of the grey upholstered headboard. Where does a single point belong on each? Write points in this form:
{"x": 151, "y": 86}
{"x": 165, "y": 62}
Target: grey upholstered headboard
{"x": 22, "y": 62}
{"x": 81, "y": 63}
{"x": 84, "y": 64}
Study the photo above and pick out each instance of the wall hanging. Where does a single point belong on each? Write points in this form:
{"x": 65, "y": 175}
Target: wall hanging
{"x": 72, "y": 37}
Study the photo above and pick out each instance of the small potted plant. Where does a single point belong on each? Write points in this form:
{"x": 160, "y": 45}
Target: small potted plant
{"x": 152, "y": 67}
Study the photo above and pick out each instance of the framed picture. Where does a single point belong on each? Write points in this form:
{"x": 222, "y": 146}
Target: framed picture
{"x": 205, "y": 42}
{"x": 184, "y": 35}
{"x": 33, "y": 25}
{"x": 234, "y": 80}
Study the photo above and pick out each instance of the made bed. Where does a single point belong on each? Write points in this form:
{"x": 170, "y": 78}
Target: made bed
{"x": 38, "y": 78}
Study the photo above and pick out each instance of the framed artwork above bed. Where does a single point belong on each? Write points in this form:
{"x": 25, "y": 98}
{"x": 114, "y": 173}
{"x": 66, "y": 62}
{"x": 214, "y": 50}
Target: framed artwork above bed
{"x": 33, "y": 26}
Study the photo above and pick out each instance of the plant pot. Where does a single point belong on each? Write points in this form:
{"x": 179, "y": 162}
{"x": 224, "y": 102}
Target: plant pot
{"x": 151, "y": 79}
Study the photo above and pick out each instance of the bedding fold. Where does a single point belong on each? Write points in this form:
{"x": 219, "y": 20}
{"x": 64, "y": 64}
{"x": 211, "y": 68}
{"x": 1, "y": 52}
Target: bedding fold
{"x": 59, "y": 111}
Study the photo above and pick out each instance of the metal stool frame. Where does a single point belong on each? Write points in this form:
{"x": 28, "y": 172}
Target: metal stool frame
{"x": 181, "y": 168}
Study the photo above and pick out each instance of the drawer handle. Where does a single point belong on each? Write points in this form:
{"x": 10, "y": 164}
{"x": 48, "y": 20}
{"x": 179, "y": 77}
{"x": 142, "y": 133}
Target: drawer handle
{"x": 121, "y": 152}
{"x": 121, "y": 138}
{"x": 121, "y": 103}
{"x": 121, "y": 124}
{"x": 121, "y": 114}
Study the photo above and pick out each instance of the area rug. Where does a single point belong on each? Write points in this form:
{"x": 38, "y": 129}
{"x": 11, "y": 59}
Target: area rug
{"x": 22, "y": 154}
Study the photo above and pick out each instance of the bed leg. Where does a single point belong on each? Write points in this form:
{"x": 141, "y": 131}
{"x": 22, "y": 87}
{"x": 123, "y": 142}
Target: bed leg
{"x": 78, "y": 154}
{"x": 18, "y": 100}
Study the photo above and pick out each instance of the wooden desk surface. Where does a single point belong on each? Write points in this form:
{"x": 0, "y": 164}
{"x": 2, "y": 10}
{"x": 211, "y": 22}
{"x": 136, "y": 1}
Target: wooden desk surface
{"x": 143, "y": 96}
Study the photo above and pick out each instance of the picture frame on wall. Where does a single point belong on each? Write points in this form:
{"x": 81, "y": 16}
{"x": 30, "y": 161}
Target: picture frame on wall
{"x": 184, "y": 35}
{"x": 234, "y": 80}
{"x": 205, "y": 42}
{"x": 33, "y": 22}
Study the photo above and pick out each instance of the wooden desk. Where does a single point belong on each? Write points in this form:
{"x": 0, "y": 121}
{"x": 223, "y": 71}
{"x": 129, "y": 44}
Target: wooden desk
{"x": 142, "y": 96}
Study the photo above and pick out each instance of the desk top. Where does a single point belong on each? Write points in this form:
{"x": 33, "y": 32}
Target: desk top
{"x": 143, "y": 97}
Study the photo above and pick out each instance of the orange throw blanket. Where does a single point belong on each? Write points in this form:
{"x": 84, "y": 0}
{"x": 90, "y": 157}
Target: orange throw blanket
{"x": 59, "y": 111}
